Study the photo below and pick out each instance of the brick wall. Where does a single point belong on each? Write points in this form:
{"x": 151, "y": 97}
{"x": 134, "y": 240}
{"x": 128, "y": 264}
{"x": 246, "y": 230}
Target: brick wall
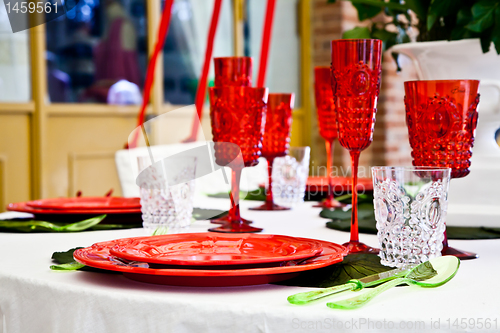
{"x": 390, "y": 141}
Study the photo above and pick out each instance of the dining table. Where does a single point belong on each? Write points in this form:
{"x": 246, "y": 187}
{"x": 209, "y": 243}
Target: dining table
{"x": 36, "y": 299}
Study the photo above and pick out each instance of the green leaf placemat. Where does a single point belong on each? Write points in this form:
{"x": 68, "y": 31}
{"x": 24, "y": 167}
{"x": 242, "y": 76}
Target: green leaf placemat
{"x": 64, "y": 262}
{"x": 354, "y": 266}
{"x": 205, "y": 214}
{"x": 341, "y": 220}
{"x": 44, "y": 226}
{"x": 256, "y": 195}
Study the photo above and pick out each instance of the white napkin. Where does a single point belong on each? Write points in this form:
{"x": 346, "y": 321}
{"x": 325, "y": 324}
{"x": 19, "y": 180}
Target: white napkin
{"x": 15, "y": 215}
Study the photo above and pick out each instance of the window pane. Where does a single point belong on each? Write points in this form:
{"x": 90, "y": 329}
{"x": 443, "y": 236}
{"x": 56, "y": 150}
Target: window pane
{"x": 15, "y": 69}
{"x": 185, "y": 46}
{"x": 283, "y": 67}
{"x": 97, "y": 52}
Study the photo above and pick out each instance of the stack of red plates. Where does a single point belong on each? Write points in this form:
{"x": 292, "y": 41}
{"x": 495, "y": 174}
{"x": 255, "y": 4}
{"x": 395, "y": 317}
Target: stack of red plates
{"x": 119, "y": 210}
{"x": 211, "y": 259}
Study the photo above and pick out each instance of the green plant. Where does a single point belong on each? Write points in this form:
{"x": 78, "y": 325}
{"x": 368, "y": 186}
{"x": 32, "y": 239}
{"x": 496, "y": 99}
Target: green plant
{"x": 434, "y": 19}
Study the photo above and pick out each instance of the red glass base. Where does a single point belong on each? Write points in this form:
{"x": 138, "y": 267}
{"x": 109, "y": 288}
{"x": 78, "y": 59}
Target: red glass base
{"x": 462, "y": 255}
{"x": 225, "y": 219}
{"x": 269, "y": 206}
{"x": 357, "y": 247}
{"x": 331, "y": 204}
{"x": 235, "y": 227}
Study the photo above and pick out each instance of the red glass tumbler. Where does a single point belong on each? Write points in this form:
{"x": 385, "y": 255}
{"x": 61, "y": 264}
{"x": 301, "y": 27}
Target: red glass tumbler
{"x": 356, "y": 69}
{"x": 441, "y": 117}
{"x": 233, "y": 71}
{"x": 327, "y": 122}
{"x": 237, "y": 116}
{"x": 276, "y": 139}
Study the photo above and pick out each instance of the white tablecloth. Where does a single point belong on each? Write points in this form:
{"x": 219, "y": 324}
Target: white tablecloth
{"x": 35, "y": 299}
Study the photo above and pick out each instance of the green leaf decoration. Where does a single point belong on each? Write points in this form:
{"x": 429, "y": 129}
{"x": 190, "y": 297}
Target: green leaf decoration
{"x": 64, "y": 262}
{"x": 43, "y": 226}
{"x": 72, "y": 266}
{"x": 437, "y": 9}
{"x": 423, "y": 272}
{"x": 354, "y": 266}
{"x": 496, "y": 30}
{"x": 256, "y": 195}
{"x": 367, "y": 11}
{"x": 357, "y": 33}
{"x": 417, "y": 7}
{"x": 205, "y": 214}
{"x": 486, "y": 39}
{"x": 65, "y": 257}
{"x": 381, "y": 4}
{"x": 483, "y": 13}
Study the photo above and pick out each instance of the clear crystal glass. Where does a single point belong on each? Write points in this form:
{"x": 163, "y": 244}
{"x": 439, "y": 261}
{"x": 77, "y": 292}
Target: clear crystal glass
{"x": 289, "y": 177}
{"x": 410, "y": 210}
{"x": 167, "y": 192}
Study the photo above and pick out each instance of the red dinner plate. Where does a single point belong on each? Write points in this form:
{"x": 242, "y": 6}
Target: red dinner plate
{"x": 86, "y": 203}
{"x": 23, "y": 207}
{"x": 115, "y": 216}
{"x": 210, "y": 249}
{"x": 341, "y": 184}
{"x": 98, "y": 256}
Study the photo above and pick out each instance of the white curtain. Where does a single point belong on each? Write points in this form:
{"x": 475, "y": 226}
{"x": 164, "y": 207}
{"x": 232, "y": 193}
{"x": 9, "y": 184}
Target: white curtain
{"x": 14, "y": 62}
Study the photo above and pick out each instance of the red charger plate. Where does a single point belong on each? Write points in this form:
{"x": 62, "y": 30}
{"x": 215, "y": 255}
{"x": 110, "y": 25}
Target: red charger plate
{"x": 86, "y": 203}
{"x": 341, "y": 184}
{"x": 210, "y": 249}
{"x": 98, "y": 256}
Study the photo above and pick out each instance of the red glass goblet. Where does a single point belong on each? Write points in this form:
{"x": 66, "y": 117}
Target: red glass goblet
{"x": 233, "y": 71}
{"x": 441, "y": 118}
{"x": 327, "y": 122}
{"x": 276, "y": 139}
{"x": 356, "y": 69}
{"x": 237, "y": 116}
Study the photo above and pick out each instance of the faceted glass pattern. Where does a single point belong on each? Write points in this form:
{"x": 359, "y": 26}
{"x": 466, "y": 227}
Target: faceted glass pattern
{"x": 410, "y": 210}
{"x": 166, "y": 208}
{"x": 290, "y": 177}
{"x": 441, "y": 118}
{"x": 233, "y": 71}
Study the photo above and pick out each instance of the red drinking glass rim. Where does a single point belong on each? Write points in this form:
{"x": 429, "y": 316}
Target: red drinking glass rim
{"x": 356, "y": 40}
{"x": 321, "y": 73}
{"x": 275, "y": 99}
{"x": 229, "y": 58}
{"x": 442, "y": 81}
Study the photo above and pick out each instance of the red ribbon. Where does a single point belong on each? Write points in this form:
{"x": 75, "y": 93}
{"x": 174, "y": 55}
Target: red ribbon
{"x": 266, "y": 41}
{"x": 162, "y": 33}
{"x": 202, "y": 84}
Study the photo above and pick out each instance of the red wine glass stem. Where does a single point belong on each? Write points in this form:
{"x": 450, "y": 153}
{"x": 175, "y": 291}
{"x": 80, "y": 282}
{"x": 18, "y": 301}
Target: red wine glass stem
{"x": 445, "y": 241}
{"x": 269, "y": 194}
{"x": 354, "y": 216}
{"x": 329, "y": 148}
{"x": 234, "y": 212}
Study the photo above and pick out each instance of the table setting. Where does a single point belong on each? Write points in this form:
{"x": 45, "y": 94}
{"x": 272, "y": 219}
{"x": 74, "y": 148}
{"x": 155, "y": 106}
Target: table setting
{"x": 179, "y": 259}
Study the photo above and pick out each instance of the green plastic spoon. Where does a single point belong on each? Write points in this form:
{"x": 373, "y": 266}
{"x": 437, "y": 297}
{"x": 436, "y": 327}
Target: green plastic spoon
{"x": 354, "y": 285}
{"x": 446, "y": 268}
